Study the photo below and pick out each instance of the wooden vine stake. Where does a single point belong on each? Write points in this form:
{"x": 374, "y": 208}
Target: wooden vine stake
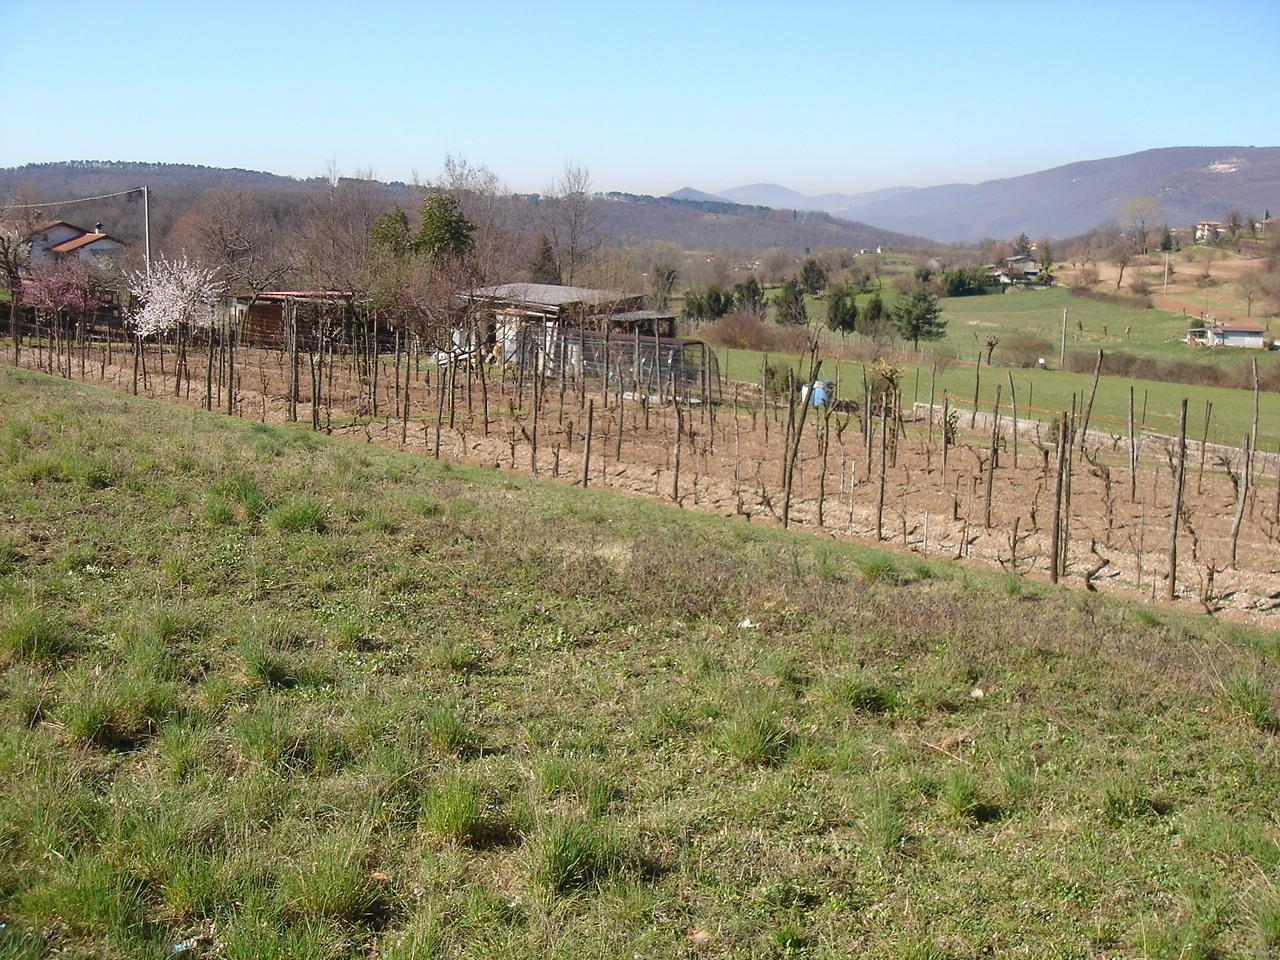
{"x": 1171, "y": 589}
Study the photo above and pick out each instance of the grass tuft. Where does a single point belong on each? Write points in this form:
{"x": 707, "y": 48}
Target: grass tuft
{"x": 566, "y": 855}
{"x": 300, "y": 514}
{"x": 861, "y": 693}
{"x": 883, "y": 826}
{"x": 31, "y": 633}
{"x": 329, "y": 880}
{"x": 877, "y": 568}
{"x": 113, "y": 711}
{"x": 1250, "y": 699}
{"x": 755, "y": 735}
{"x": 446, "y": 731}
{"x": 454, "y": 809}
{"x": 1123, "y": 798}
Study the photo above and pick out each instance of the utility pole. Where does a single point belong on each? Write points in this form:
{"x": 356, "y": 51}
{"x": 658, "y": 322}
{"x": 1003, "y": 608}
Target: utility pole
{"x": 146, "y": 226}
{"x": 1062, "y": 356}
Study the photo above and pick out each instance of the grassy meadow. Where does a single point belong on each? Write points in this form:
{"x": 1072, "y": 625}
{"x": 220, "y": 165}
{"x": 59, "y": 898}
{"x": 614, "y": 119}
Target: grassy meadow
{"x": 266, "y": 694}
{"x": 1045, "y": 393}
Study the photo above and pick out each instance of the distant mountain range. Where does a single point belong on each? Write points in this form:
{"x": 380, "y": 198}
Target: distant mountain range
{"x": 700, "y": 223}
{"x": 1192, "y": 183}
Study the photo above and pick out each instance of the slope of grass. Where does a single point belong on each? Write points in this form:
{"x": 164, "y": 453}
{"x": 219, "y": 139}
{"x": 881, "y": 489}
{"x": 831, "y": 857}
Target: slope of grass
{"x": 456, "y": 713}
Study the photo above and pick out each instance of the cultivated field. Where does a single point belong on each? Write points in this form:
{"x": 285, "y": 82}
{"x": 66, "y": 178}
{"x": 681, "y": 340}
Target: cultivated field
{"x": 267, "y": 693}
{"x": 729, "y": 459}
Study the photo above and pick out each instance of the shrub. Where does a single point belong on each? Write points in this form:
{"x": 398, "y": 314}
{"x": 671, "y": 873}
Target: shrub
{"x": 1119, "y": 299}
{"x": 1024, "y": 350}
{"x": 571, "y": 854}
{"x": 301, "y": 514}
{"x": 744, "y": 331}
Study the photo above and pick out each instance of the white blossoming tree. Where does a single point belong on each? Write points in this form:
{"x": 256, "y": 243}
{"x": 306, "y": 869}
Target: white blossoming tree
{"x": 177, "y": 296}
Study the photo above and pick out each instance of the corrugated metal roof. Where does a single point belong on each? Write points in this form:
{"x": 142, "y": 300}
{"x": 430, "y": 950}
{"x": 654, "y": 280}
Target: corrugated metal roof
{"x": 548, "y": 294}
{"x": 1240, "y": 327}
{"x": 643, "y": 315}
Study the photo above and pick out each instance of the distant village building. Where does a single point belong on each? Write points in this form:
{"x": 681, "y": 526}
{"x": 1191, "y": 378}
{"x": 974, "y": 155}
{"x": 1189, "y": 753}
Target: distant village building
{"x": 1018, "y": 269}
{"x": 1210, "y": 231}
{"x": 55, "y": 239}
{"x": 1249, "y": 335}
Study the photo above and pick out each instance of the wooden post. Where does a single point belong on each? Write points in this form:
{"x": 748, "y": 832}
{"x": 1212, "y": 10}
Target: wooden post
{"x": 1171, "y": 590}
{"x": 884, "y": 425}
{"x": 991, "y": 459}
{"x": 1013, "y": 400}
{"x": 1245, "y": 470}
{"x": 1204, "y": 443}
{"x": 1133, "y": 453}
{"x": 1055, "y": 528}
{"x": 1088, "y": 410}
{"x": 675, "y": 456}
{"x": 1253, "y": 433}
{"x": 977, "y": 380}
{"x": 586, "y": 443}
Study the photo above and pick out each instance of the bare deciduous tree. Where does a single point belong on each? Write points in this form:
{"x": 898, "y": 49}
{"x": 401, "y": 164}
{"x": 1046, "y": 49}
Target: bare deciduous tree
{"x": 568, "y": 221}
{"x": 1141, "y": 212}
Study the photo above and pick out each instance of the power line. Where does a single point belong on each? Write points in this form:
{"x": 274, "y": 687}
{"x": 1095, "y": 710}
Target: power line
{"x": 146, "y": 211}
{"x": 63, "y": 203}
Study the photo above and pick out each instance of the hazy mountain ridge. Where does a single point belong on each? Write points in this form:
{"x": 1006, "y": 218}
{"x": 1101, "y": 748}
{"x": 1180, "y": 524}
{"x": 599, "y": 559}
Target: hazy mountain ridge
{"x": 1192, "y": 183}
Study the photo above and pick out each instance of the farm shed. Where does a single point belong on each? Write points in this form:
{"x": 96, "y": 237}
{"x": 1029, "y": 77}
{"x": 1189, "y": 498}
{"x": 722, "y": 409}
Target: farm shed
{"x": 265, "y": 322}
{"x": 509, "y": 304}
{"x": 628, "y": 364}
{"x": 1251, "y": 336}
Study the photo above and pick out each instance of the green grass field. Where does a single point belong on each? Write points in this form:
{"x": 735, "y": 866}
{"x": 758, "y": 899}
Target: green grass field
{"x": 265, "y": 694}
{"x": 1038, "y": 313}
{"x": 1049, "y": 392}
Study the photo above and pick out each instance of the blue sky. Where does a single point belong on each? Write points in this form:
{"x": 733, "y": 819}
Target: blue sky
{"x": 649, "y": 96}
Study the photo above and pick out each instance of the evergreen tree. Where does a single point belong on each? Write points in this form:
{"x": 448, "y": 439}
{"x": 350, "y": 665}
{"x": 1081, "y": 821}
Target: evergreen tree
{"x": 543, "y": 268}
{"x": 919, "y": 318}
{"x": 749, "y": 297}
{"x": 790, "y": 303}
{"x": 445, "y": 232}
{"x": 872, "y": 313}
{"x": 1021, "y": 245}
{"x": 813, "y": 276}
{"x": 390, "y": 233}
{"x": 842, "y": 308}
